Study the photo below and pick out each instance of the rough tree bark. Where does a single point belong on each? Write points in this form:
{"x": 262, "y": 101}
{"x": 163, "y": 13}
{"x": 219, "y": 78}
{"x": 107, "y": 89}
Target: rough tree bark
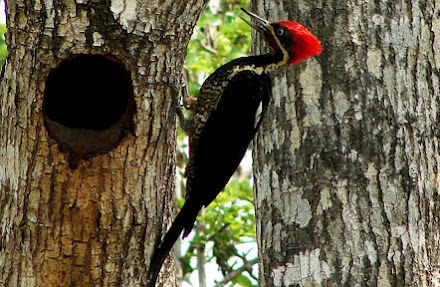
{"x": 87, "y": 183}
{"x": 347, "y": 160}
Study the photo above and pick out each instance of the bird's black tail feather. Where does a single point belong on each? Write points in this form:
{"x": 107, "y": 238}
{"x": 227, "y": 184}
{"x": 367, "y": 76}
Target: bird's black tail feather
{"x": 183, "y": 221}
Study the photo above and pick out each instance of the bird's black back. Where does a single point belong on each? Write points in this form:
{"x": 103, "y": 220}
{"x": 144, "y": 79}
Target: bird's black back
{"x": 227, "y": 133}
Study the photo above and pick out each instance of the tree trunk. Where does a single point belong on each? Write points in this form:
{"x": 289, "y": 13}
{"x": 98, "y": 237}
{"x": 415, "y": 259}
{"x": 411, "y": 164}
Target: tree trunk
{"x": 87, "y": 143}
{"x": 347, "y": 160}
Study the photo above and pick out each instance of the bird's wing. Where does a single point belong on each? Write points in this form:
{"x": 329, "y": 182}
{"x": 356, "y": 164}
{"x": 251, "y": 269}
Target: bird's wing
{"x": 221, "y": 144}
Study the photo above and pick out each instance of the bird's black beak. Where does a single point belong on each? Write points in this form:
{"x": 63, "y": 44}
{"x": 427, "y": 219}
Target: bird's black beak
{"x": 260, "y": 24}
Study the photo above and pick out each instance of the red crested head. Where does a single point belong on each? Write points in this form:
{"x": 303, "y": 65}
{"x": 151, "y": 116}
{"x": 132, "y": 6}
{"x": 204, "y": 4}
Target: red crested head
{"x": 290, "y": 38}
{"x": 303, "y": 43}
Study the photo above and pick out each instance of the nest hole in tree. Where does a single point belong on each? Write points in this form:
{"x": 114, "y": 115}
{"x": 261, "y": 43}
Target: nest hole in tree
{"x": 88, "y": 104}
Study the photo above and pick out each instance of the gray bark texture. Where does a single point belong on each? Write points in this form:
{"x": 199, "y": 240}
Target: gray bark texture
{"x": 346, "y": 163}
{"x": 95, "y": 222}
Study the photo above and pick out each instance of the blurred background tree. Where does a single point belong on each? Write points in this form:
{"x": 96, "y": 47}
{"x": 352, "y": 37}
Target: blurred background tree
{"x": 223, "y": 240}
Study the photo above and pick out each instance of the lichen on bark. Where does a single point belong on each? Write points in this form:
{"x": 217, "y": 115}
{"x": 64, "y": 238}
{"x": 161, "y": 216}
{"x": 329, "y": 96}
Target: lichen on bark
{"x": 354, "y": 141}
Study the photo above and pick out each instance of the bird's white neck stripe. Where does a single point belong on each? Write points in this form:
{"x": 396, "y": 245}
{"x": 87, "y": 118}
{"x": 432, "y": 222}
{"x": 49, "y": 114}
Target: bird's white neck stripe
{"x": 258, "y": 114}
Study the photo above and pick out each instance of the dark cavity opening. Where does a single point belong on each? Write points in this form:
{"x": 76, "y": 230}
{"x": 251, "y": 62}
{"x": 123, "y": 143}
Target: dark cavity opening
{"x": 88, "y": 105}
{"x": 87, "y": 91}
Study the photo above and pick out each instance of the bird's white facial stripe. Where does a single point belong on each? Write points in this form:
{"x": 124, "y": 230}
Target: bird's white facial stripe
{"x": 285, "y": 52}
{"x": 258, "y": 114}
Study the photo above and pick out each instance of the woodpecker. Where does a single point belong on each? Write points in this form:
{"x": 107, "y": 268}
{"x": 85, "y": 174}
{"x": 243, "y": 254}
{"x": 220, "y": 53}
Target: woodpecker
{"x": 228, "y": 111}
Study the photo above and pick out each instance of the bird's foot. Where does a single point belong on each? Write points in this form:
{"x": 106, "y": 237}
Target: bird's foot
{"x": 188, "y": 103}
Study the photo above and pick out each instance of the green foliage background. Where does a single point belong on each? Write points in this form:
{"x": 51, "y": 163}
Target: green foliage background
{"x": 3, "y": 50}
{"x": 219, "y": 37}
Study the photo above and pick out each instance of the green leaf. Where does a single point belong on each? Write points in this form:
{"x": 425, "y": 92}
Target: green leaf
{"x": 3, "y": 48}
{"x": 243, "y": 281}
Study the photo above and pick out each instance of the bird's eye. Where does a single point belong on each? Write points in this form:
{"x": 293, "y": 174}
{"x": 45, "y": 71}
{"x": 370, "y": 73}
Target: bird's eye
{"x": 280, "y": 32}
